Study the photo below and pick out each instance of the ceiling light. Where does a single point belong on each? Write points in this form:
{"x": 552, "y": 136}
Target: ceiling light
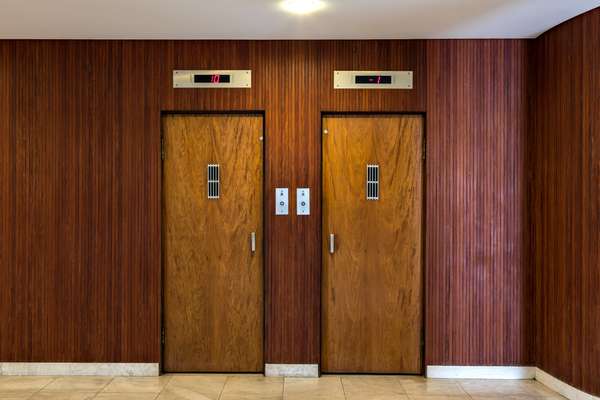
{"x": 302, "y": 7}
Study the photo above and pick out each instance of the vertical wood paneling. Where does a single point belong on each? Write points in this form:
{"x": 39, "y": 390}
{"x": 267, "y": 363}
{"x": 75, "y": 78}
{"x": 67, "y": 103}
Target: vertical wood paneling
{"x": 477, "y": 276}
{"x": 83, "y": 287}
{"x": 565, "y": 200}
{"x": 81, "y": 188}
{"x": 368, "y": 56}
{"x": 293, "y": 160}
{"x": 559, "y": 185}
{"x": 590, "y": 280}
{"x": 8, "y": 307}
{"x": 140, "y": 184}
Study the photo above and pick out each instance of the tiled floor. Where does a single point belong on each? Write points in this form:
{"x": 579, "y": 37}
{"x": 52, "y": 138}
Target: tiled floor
{"x": 254, "y": 387}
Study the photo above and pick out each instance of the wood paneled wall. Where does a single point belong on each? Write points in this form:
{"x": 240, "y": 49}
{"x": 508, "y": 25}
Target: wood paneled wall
{"x": 80, "y": 208}
{"x": 565, "y": 200}
{"x": 81, "y": 189}
{"x": 479, "y": 284}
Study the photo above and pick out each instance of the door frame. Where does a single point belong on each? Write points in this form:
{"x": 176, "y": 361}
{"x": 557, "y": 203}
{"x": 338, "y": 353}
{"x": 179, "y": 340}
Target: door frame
{"x": 325, "y": 114}
{"x": 166, "y": 113}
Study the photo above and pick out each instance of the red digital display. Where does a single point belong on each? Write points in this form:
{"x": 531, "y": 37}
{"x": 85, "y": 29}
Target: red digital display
{"x": 216, "y": 78}
{"x": 373, "y": 79}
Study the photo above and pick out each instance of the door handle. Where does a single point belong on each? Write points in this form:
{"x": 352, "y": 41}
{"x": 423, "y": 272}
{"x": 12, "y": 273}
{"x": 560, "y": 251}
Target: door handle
{"x": 253, "y": 242}
{"x": 331, "y": 243}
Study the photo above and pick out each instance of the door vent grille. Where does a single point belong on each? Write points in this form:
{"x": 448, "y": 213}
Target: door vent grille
{"x": 214, "y": 184}
{"x": 372, "y": 182}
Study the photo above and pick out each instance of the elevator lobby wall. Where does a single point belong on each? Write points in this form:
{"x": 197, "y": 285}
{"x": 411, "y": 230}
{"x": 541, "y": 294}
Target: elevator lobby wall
{"x": 80, "y": 192}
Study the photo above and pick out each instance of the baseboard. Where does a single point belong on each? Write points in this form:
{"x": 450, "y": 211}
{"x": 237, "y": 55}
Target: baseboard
{"x": 561, "y": 387}
{"x": 292, "y": 370}
{"x": 99, "y": 369}
{"x": 479, "y": 372}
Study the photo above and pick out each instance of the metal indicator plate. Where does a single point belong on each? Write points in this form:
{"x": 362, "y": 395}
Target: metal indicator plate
{"x": 372, "y": 79}
{"x": 213, "y": 181}
{"x": 212, "y": 79}
{"x": 302, "y": 201}
{"x": 281, "y": 201}
{"x": 372, "y": 182}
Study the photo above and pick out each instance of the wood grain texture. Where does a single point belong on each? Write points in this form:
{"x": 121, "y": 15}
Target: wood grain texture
{"x": 83, "y": 216}
{"x": 479, "y": 284}
{"x": 213, "y": 282}
{"x": 590, "y": 301}
{"x": 372, "y": 299}
{"x": 8, "y": 295}
{"x": 368, "y": 55}
{"x": 565, "y": 200}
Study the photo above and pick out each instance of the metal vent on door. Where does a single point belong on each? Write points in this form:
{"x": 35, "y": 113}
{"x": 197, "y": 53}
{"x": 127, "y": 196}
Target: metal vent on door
{"x": 214, "y": 184}
{"x": 372, "y": 182}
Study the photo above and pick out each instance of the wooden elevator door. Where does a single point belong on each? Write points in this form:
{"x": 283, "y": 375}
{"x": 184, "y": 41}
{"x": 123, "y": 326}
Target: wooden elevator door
{"x": 372, "y": 283}
{"x": 213, "y": 279}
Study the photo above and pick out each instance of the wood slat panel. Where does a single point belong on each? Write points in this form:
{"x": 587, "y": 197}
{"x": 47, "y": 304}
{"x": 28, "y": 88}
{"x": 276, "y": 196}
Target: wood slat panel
{"x": 590, "y": 309}
{"x": 293, "y": 159}
{"x": 559, "y": 184}
{"x": 478, "y": 284}
{"x": 8, "y": 295}
{"x": 83, "y": 287}
{"x": 566, "y": 201}
{"x": 369, "y": 55}
{"x": 84, "y": 176}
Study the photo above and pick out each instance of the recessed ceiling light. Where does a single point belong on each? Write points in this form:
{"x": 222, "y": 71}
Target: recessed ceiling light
{"x": 302, "y": 7}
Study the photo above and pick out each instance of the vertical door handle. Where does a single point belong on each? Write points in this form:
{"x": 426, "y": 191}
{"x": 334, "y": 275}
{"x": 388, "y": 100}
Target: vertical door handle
{"x": 253, "y": 242}
{"x": 331, "y": 243}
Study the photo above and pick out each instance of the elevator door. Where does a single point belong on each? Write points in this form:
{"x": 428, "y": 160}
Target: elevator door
{"x": 212, "y": 241}
{"x": 372, "y": 244}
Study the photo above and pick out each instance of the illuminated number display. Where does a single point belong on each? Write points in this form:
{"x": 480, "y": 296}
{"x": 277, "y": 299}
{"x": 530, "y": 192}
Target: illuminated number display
{"x": 373, "y": 79}
{"x": 215, "y": 78}
{"x": 212, "y": 79}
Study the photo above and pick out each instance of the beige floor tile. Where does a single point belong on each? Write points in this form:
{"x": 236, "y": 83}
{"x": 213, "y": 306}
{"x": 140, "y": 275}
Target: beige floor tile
{"x": 137, "y": 384}
{"x": 177, "y": 394}
{"x": 15, "y": 396}
{"x": 373, "y": 388}
{"x": 507, "y": 389}
{"x": 438, "y": 397}
{"x": 10, "y": 384}
{"x": 78, "y": 384}
{"x": 325, "y": 388}
{"x": 376, "y": 396}
{"x": 544, "y": 391}
{"x": 256, "y": 386}
{"x": 433, "y": 388}
{"x": 252, "y": 388}
{"x": 514, "y": 397}
{"x": 57, "y": 395}
{"x": 193, "y": 387}
{"x": 411, "y": 378}
{"x": 125, "y": 396}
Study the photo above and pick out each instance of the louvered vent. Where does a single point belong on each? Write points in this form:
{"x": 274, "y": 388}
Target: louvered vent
{"x": 372, "y": 182}
{"x": 214, "y": 185}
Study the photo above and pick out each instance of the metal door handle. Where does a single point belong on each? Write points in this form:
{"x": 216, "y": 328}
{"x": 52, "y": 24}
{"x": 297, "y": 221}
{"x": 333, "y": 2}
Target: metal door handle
{"x": 253, "y": 242}
{"x": 331, "y": 243}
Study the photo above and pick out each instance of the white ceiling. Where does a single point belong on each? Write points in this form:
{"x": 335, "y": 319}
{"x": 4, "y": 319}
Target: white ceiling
{"x": 263, "y": 19}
